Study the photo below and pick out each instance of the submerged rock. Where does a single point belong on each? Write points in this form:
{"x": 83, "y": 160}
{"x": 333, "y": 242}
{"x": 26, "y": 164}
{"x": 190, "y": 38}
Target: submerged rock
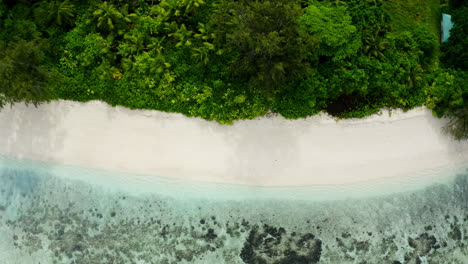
{"x": 274, "y": 245}
{"x": 423, "y": 244}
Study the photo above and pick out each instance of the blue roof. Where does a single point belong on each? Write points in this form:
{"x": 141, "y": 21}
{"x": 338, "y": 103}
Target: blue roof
{"x": 446, "y": 25}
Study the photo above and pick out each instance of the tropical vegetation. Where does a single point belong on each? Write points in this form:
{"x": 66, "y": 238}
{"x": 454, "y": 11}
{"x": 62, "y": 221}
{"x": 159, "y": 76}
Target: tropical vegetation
{"x": 226, "y": 60}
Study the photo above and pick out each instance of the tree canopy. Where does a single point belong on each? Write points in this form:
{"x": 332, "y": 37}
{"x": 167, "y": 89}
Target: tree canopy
{"x": 225, "y": 60}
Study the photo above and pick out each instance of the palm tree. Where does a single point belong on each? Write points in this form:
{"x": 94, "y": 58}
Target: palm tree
{"x": 191, "y": 5}
{"x": 374, "y": 45}
{"x": 110, "y": 19}
{"x": 107, "y": 16}
{"x": 201, "y": 54}
{"x": 414, "y": 76}
{"x": 58, "y": 12}
{"x": 179, "y": 33}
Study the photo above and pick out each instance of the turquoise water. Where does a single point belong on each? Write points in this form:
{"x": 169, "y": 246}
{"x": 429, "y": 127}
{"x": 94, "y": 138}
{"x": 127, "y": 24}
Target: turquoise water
{"x": 50, "y": 213}
{"x": 141, "y": 184}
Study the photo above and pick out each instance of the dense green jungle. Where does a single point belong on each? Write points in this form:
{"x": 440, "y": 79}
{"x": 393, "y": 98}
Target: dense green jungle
{"x": 227, "y": 60}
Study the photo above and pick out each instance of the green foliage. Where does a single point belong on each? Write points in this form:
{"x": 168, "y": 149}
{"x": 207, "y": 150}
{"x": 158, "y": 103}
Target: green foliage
{"x": 225, "y": 60}
{"x": 427, "y": 43}
{"x": 271, "y": 46}
{"x": 333, "y": 27}
{"x": 455, "y": 53}
{"x": 58, "y": 12}
{"x": 23, "y": 77}
{"x": 443, "y": 93}
{"x": 110, "y": 19}
{"x": 448, "y": 97}
{"x": 3, "y": 9}
{"x": 448, "y": 94}
{"x": 374, "y": 45}
{"x": 407, "y": 15}
{"x": 305, "y": 98}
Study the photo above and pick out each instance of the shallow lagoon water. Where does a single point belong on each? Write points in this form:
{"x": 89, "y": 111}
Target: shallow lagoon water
{"x": 51, "y": 213}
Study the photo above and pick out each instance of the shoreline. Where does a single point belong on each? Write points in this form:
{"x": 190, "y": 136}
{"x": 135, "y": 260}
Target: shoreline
{"x": 30, "y": 172}
{"x": 266, "y": 151}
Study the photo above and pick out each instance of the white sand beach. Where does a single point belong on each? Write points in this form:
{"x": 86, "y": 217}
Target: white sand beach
{"x": 267, "y": 151}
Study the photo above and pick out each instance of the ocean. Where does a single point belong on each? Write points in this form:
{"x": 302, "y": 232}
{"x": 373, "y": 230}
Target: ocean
{"x": 53, "y": 213}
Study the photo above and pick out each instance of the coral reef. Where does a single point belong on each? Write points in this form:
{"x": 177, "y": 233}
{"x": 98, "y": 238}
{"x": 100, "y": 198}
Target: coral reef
{"x": 68, "y": 221}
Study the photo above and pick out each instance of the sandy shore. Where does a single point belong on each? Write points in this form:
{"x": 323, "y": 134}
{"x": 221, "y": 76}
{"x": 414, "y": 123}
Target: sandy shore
{"x": 265, "y": 151}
